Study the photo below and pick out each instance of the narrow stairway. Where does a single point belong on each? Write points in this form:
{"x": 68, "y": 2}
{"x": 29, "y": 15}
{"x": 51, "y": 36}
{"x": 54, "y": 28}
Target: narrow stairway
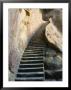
{"x": 31, "y": 66}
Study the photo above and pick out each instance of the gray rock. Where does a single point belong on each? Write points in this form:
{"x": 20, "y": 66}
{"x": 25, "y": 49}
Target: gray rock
{"x": 53, "y": 62}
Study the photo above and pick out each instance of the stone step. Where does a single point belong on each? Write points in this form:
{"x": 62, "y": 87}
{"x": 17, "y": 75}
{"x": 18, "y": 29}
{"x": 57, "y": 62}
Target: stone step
{"x": 32, "y": 58}
{"x": 35, "y": 47}
{"x": 32, "y": 66}
{"x": 33, "y": 50}
{"x": 30, "y": 70}
{"x": 30, "y": 75}
{"x": 36, "y": 52}
{"x": 30, "y": 79}
{"x": 30, "y": 54}
{"x": 31, "y": 62}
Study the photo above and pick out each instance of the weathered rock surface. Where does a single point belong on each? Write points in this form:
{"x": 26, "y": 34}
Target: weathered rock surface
{"x": 53, "y": 65}
{"x": 53, "y": 31}
{"x": 53, "y": 35}
{"x": 53, "y": 60}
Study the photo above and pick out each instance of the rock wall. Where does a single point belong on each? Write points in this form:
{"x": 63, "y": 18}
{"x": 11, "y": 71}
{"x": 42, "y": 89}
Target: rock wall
{"x": 53, "y": 30}
{"x": 53, "y": 35}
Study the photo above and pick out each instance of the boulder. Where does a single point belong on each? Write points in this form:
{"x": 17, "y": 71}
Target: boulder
{"x": 53, "y": 35}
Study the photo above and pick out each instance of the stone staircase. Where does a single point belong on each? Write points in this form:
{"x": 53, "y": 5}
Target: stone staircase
{"x": 31, "y": 66}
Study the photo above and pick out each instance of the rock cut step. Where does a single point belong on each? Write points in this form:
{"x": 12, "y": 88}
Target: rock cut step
{"x": 32, "y": 66}
{"x": 31, "y": 62}
{"x": 34, "y": 55}
{"x": 32, "y": 58}
{"x": 30, "y": 70}
{"x": 29, "y": 75}
{"x": 30, "y": 79}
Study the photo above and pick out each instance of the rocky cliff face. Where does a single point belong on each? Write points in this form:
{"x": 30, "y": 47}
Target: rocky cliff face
{"x": 53, "y": 35}
{"x": 53, "y": 30}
